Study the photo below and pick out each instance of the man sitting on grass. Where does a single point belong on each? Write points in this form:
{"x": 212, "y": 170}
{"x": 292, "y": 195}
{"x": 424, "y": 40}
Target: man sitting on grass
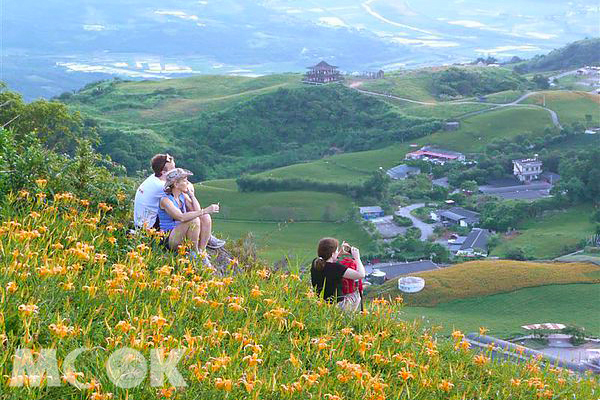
{"x": 148, "y": 195}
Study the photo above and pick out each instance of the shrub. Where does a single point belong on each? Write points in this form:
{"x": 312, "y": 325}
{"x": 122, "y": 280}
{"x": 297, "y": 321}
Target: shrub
{"x": 515, "y": 253}
{"x": 402, "y": 221}
{"x": 25, "y": 161}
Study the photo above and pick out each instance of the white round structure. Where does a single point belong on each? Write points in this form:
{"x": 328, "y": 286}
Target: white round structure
{"x": 411, "y": 284}
{"x": 378, "y": 277}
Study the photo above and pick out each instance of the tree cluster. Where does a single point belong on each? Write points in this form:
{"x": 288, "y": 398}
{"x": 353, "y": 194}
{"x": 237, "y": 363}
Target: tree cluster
{"x": 455, "y": 82}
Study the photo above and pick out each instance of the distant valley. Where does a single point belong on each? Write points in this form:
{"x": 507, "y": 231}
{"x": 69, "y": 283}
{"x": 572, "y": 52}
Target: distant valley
{"x": 76, "y": 43}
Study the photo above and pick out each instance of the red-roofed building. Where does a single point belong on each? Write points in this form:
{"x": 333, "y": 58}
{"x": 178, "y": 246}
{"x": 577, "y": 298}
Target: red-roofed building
{"x": 441, "y": 156}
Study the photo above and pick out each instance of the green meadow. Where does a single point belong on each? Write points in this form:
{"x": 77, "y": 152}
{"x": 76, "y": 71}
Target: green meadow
{"x": 546, "y": 237}
{"x": 504, "y": 314}
{"x": 444, "y": 110}
{"x": 151, "y": 102}
{"x": 478, "y": 130}
{"x": 570, "y": 106}
{"x": 282, "y": 224}
{"x": 273, "y": 206}
{"x": 298, "y": 240}
{"x": 412, "y": 85}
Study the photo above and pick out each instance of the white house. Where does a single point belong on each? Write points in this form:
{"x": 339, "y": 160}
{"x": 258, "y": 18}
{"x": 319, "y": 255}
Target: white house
{"x": 527, "y": 169}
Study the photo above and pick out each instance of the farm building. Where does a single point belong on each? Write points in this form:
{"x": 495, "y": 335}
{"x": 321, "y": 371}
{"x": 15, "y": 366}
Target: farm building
{"x": 451, "y": 126}
{"x": 435, "y": 155}
{"x": 456, "y": 215}
{"x": 371, "y": 212}
{"x": 527, "y": 169}
{"x": 322, "y": 73}
{"x": 475, "y": 244}
{"x": 402, "y": 171}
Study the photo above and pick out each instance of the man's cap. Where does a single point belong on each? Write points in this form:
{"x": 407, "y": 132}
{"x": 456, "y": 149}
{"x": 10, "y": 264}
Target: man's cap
{"x": 176, "y": 174}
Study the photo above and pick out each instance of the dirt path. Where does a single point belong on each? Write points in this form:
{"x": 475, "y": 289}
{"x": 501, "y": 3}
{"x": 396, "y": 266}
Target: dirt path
{"x": 495, "y": 106}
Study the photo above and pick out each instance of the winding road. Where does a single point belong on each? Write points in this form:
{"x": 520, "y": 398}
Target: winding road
{"x": 426, "y": 229}
{"x": 495, "y": 106}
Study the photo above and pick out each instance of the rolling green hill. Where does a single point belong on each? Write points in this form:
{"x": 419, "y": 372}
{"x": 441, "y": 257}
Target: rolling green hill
{"x": 441, "y": 83}
{"x": 504, "y": 314}
{"x": 478, "y": 130}
{"x": 488, "y": 277}
{"x": 282, "y": 223}
{"x": 128, "y": 103}
{"x": 412, "y": 85}
{"x": 502, "y": 296}
{"x": 267, "y": 123}
{"x": 574, "y": 55}
{"x": 570, "y": 106}
{"x": 548, "y": 236}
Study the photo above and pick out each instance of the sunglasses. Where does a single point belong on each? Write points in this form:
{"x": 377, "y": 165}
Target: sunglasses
{"x": 168, "y": 158}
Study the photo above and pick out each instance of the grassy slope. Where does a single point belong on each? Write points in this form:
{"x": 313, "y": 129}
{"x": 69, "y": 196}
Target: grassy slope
{"x": 349, "y": 167}
{"x": 570, "y": 106}
{"x": 484, "y": 278}
{"x": 276, "y": 206}
{"x": 476, "y": 131}
{"x": 505, "y": 313}
{"x": 546, "y": 236}
{"x": 254, "y": 334}
{"x": 282, "y": 223}
{"x": 296, "y": 240}
{"x": 443, "y": 110}
{"x": 192, "y": 95}
{"x": 408, "y": 84}
{"x": 487, "y": 126}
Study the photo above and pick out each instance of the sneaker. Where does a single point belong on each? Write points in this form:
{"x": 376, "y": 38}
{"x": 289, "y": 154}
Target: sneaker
{"x": 215, "y": 243}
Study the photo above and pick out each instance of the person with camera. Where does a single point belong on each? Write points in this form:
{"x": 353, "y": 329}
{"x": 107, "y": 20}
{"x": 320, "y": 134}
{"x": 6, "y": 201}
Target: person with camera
{"x": 327, "y": 273}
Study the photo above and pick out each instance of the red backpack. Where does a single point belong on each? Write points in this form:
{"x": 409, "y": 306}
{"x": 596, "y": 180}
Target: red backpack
{"x": 349, "y": 285}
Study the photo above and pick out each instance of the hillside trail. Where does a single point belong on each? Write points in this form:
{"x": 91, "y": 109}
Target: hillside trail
{"x": 495, "y": 106}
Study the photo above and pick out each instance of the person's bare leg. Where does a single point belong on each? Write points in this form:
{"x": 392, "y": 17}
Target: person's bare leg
{"x": 206, "y": 223}
{"x": 189, "y": 230}
{"x": 193, "y": 233}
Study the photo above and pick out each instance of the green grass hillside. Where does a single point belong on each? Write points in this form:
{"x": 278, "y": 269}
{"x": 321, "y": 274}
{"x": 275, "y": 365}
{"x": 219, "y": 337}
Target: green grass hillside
{"x": 475, "y": 132}
{"x": 276, "y": 206}
{"x": 548, "y": 236}
{"x": 146, "y": 102}
{"x": 502, "y": 296}
{"x": 574, "y": 55}
{"x": 83, "y": 283}
{"x": 504, "y": 314}
{"x": 487, "y": 277}
{"x": 570, "y": 106}
{"x": 414, "y": 85}
{"x": 272, "y": 126}
{"x": 440, "y": 83}
{"x": 478, "y": 130}
{"x": 445, "y": 110}
{"x": 282, "y": 223}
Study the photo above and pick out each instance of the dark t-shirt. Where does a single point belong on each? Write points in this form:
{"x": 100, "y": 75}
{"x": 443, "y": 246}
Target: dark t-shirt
{"x": 329, "y": 280}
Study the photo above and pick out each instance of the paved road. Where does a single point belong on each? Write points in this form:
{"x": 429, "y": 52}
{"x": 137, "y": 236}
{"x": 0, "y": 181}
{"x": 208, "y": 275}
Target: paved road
{"x": 426, "y": 229}
{"x": 387, "y": 227}
{"x": 495, "y": 106}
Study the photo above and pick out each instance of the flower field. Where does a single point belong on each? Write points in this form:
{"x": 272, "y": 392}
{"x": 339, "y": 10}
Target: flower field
{"x": 71, "y": 277}
{"x": 487, "y": 277}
